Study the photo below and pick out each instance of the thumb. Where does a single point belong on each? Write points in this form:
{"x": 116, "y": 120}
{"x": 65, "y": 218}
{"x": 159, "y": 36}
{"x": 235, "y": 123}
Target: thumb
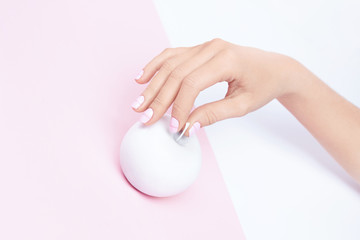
{"x": 213, "y": 112}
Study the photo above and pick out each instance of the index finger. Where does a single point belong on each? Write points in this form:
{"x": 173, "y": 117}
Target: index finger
{"x": 203, "y": 77}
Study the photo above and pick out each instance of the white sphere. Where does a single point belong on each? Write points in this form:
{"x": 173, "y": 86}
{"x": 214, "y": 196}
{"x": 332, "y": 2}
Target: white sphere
{"x": 154, "y": 163}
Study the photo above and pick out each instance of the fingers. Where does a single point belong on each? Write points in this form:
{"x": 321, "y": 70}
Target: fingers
{"x": 151, "y": 91}
{"x": 180, "y": 74}
{"x": 170, "y": 88}
{"x": 203, "y": 77}
{"x": 154, "y": 87}
{"x": 154, "y": 65}
{"x": 210, "y": 113}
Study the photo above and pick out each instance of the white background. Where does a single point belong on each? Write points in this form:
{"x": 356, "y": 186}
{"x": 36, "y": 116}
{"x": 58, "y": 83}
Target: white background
{"x": 282, "y": 183}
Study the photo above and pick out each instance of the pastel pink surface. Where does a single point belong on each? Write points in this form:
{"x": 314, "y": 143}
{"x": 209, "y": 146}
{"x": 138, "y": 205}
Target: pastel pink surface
{"x": 66, "y": 87}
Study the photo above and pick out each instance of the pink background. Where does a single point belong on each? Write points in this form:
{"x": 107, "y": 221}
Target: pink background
{"x": 66, "y": 85}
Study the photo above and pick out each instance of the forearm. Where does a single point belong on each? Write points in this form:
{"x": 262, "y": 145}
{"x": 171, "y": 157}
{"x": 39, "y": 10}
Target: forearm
{"x": 330, "y": 118}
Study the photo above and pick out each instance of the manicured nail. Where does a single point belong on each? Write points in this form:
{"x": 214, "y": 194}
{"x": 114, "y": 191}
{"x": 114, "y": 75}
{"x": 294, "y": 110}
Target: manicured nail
{"x": 194, "y": 129}
{"x": 139, "y": 75}
{"x": 146, "y": 116}
{"x": 138, "y": 101}
{"x": 174, "y": 124}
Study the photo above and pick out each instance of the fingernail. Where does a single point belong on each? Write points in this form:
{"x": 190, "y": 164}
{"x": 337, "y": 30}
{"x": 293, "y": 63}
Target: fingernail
{"x": 138, "y": 101}
{"x": 139, "y": 75}
{"x": 194, "y": 128}
{"x": 174, "y": 124}
{"x": 146, "y": 116}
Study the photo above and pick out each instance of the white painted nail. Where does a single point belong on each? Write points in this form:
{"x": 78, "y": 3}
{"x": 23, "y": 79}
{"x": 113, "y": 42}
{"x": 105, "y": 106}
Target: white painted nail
{"x": 147, "y": 115}
{"x": 139, "y": 75}
{"x": 138, "y": 101}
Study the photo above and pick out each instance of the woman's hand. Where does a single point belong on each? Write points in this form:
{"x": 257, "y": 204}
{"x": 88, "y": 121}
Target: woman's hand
{"x": 255, "y": 77}
{"x": 178, "y": 75}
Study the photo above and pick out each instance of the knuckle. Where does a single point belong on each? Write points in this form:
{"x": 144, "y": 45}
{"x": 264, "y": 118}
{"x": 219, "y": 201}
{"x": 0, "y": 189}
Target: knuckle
{"x": 210, "y": 116}
{"x": 243, "y": 110}
{"x": 216, "y": 41}
{"x": 168, "y": 65}
{"x": 242, "y": 106}
{"x": 190, "y": 83}
{"x": 177, "y": 74}
{"x": 247, "y": 105}
{"x": 157, "y": 103}
{"x": 150, "y": 90}
{"x": 177, "y": 109}
{"x": 166, "y": 50}
{"x": 228, "y": 53}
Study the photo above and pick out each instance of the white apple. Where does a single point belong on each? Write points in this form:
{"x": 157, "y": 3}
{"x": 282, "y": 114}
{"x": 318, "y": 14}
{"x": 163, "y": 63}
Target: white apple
{"x": 154, "y": 163}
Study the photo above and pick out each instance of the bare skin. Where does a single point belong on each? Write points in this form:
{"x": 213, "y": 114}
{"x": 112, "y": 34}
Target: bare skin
{"x": 255, "y": 77}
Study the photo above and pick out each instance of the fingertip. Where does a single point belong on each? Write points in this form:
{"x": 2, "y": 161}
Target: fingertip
{"x": 147, "y": 116}
{"x": 136, "y": 105}
{"x": 150, "y": 116}
{"x": 141, "y": 81}
{"x": 180, "y": 115}
{"x": 140, "y": 74}
{"x": 143, "y": 76}
{"x": 194, "y": 129}
{"x": 174, "y": 125}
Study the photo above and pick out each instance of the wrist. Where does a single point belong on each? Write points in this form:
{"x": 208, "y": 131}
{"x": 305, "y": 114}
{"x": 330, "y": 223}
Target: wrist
{"x": 300, "y": 83}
